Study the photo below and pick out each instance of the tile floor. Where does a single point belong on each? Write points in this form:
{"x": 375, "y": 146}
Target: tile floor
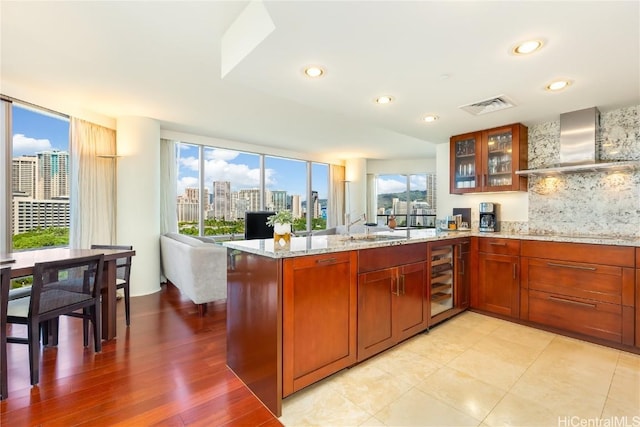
{"x": 475, "y": 370}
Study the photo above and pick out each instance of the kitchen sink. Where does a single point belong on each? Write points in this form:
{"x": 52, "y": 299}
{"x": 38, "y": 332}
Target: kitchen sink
{"x": 369, "y": 237}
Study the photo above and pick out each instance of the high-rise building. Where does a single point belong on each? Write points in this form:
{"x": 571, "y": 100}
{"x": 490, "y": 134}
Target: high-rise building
{"x": 52, "y": 175}
{"x": 296, "y": 206}
{"x": 189, "y": 204}
{"x": 316, "y": 212}
{"x": 278, "y": 200}
{"x": 222, "y": 200}
{"x": 251, "y": 199}
{"x": 23, "y": 175}
{"x": 29, "y": 214}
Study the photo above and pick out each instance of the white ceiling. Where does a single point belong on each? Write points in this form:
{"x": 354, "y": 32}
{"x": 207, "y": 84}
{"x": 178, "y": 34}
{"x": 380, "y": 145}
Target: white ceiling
{"x": 162, "y": 60}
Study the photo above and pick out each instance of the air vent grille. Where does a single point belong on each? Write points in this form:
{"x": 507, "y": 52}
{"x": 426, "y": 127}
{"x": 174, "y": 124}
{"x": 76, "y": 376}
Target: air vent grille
{"x": 490, "y": 105}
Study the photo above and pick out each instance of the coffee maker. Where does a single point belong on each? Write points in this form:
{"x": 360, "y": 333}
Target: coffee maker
{"x": 488, "y": 217}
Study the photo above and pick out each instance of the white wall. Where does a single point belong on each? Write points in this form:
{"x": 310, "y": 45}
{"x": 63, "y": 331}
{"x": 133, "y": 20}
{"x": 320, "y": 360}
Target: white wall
{"x": 138, "y": 213}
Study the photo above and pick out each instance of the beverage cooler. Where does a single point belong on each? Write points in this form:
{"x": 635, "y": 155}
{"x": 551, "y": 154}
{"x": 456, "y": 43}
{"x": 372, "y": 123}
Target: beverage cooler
{"x": 442, "y": 279}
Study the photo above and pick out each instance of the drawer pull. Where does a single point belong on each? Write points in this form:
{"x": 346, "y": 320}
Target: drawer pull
{"x": 568, "y": 301}
{"x": 395, "y": 280}
{"x": 575, "y": 267}
{"x": 326, "y": 261}
{"x": 497, "y": 244}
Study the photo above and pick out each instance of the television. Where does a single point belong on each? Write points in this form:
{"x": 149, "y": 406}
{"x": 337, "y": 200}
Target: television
{"x": 255, "y": 225}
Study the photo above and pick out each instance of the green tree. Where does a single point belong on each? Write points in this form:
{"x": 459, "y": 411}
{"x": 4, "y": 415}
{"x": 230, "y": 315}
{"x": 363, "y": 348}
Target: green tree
{"x": 41, "y": 237}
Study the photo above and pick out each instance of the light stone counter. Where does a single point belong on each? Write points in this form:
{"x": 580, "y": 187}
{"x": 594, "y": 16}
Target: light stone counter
{"x": 313, "y": 245}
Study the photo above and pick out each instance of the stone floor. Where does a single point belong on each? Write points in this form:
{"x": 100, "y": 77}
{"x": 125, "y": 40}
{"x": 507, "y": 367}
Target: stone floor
{"x": 475, "y": 370}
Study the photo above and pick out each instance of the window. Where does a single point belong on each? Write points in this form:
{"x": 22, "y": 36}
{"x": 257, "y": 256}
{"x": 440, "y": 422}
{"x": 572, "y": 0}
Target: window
{"x": 234, "y": 182}
{"x": 410, "y": 198}
{"x": 39, "y": 178}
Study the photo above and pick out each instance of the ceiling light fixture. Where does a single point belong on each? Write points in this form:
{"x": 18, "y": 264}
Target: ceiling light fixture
{"x": 557, "y": 85}
{"x": 313, "y": 71}
{"x": 527, "y": 47}
{"x": 385, "y": 99}
{"x": 430, "y": 118}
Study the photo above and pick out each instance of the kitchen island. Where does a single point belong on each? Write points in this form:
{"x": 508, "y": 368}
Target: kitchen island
{"x": 295, "y": 315}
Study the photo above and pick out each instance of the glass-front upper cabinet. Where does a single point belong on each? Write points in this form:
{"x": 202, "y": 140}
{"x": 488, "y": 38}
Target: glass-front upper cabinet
{"x": 465, "y": 156}
{"x": 497, "y": 154}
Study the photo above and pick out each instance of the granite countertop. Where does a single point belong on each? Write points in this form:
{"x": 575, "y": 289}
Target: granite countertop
{"x": 315, "y": 245}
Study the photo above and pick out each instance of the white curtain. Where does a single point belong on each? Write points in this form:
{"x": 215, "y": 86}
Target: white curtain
{"x": 92, "y": 153}
{"x": 336, "y": 196}
{"x": 168, "y": 191}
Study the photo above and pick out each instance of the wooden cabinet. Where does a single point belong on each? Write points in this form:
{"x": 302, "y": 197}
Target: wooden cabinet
{"x": 637, "y": 297}
{"x": 463, "y": 273}
{"x": 488, "y": 160}
{"x": 392, "y": 296}
{"x": 498, "y": 287}
{"x": 580, "y": 288}
{"x": 319, "y": 317}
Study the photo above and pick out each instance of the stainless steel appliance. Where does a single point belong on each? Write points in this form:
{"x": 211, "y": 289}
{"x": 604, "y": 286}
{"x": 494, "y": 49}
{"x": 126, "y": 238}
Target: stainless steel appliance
{"x": 488, "y": 217}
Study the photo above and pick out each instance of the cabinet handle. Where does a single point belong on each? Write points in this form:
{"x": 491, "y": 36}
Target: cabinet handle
{"x": 575, "y": 267}
{"x": 395, "y": 280}
{"x": 497, "y": 244}
{"x": 484, "y": 179}
{"x": 515, "y": 271}
{"x": 568, "y": 301}
{"x": 403, "y": 282}
{"x": 326, "y": 261}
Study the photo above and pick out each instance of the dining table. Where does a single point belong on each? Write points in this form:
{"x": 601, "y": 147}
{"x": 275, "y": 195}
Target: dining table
{"x": 22, "y": 264}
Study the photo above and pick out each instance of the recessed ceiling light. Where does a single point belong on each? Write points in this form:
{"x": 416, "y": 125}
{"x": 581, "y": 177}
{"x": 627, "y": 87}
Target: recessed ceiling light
{"x": 384, "y": 99}
{"x": 430, "y": 118}
{"x": 313, "y": 71}
{"x": 557, "y": 85}
{"x": 527, "y": 47}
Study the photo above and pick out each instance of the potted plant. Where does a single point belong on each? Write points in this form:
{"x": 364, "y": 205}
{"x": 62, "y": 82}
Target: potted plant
{"x": 281, "y": 223}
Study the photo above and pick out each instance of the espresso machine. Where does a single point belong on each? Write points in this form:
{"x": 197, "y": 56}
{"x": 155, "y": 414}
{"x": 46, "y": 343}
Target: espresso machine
{"x": 488, "y": 217}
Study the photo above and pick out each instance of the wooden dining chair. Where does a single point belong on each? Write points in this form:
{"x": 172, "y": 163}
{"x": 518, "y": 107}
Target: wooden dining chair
{"x": 123, "y": 274}
{"x": 59, "y": 288}
{"x": 5, "y": 274}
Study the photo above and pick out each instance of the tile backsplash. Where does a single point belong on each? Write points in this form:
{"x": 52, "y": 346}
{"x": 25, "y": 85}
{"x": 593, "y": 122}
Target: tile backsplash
{"x": 587, "y": 203}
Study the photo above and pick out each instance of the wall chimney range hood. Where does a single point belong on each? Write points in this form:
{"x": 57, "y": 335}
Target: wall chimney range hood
{"x": 579, "y": 133}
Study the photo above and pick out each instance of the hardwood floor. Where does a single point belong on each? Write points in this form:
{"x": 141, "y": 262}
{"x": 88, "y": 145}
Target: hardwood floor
{"x": 167, "y": 369}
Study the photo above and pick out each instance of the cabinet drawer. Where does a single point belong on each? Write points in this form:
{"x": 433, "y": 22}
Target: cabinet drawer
{"x": 317, "y": 260}
{"x": 583, "y": 316}
{"x": 390, "y": 256}
{"x": 579, "y": 252}
{"x": 493, "y": 245}
{"x": 590, "y": 281}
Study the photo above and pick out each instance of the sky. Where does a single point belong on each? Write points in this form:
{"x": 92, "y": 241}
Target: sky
{"x": 33, "y": 132}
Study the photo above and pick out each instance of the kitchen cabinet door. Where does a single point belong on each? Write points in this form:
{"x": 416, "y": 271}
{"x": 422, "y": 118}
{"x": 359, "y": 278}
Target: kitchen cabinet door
{"x": 410, "y": 310}
{"x": 319, "y": 317}
{"x": 463, "y": 274}
{"x": 376, "y": 293}
{"x": 392, "y": 306}
{"x": 466, "y": 161}
{"x": 488, "y": 160}
{"x": 499, "y": 284}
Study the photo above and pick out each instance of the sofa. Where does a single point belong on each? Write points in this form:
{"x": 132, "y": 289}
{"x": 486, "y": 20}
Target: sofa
{"x": 197, "y": 268}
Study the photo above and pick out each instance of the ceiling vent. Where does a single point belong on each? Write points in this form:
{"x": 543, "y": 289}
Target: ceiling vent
{"x": 490, "y": 105}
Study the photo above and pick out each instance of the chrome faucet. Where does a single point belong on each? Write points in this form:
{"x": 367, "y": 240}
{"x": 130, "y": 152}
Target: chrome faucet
{"x": 362, "y": 217}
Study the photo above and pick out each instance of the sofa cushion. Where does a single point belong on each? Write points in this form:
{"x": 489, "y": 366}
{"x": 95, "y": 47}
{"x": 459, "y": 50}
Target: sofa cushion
{"x": 192, "y": 241}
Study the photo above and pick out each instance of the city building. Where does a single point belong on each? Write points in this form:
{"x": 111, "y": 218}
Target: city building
{"x": 221, "y": 208}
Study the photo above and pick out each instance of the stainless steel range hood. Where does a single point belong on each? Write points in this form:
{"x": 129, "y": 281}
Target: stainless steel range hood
{"x": 579, "y": 133}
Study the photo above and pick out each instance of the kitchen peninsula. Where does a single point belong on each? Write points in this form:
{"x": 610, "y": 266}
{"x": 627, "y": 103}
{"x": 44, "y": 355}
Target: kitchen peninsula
{"x": 297, "y": 315}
